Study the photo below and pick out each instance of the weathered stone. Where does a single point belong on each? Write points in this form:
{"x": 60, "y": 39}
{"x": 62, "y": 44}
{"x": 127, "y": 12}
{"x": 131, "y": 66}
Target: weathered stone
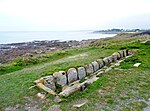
{"x": 60, "y": 78}
{"x": 137, "y": 64}
{"x": 121, "y": 53}
{"x": 49, "y": 82}
{"x": 40, "y": 95}
{"x": 108, "y": 69}
{"x": 72, "y": 75}
{"x": 106, "y": 60}
{"x": 100, "y": 62}
{"x": 99, "y": 74}
{"x": 95, "y": 66}
{"x": 130, "y": 52}
{"x": 147, "y": 42}
{"x": 125, "y": 53}
{"x": 76, "y": 87}
{"x": 81, "y": 72}
{"x": 79, "y": 104}
{"x": 116, "y": 56}
{"x": 111, "y": 59}
{"x": 89, "y": 69}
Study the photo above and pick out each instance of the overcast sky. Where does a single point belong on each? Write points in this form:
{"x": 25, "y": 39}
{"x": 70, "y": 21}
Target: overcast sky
{"x": 51, "y": 15}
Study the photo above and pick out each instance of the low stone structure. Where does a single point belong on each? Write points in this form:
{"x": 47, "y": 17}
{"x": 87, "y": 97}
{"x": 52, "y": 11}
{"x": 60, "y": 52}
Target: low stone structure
{"x": 69, "y": 81}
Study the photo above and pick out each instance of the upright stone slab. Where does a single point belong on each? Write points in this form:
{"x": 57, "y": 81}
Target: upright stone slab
{"x": 111, "y": 59}
{"x": 106, "y": 60}
{"x": 101, "y": 63}
{"x": 49, "y": 82}
{"x": 116, "y": 56}
{"x": 95, "y": 66}
{"x": 60, "y": 78}
{"x": 72, "y": 75}
{"x": 81, "y": 72}
{"x": 121, "y": 53}
{"x": 125, "y": 53}
{"x": 89, "y": 69}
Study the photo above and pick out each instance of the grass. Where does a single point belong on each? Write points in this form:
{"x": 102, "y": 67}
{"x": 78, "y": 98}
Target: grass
{"x": 25, "y": 62}
{"x": 15, "y": 85}
{"x": 126, "y": 90}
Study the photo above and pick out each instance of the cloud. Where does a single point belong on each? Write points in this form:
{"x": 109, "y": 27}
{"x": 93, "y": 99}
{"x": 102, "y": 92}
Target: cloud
{"x": 69, "y": 14}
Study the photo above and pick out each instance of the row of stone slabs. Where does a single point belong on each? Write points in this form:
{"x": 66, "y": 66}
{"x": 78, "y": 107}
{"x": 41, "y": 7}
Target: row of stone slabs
{"x": 61, "y": 79}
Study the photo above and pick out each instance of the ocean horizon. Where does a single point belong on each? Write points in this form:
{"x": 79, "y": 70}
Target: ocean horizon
{"x": 7, "y": 37}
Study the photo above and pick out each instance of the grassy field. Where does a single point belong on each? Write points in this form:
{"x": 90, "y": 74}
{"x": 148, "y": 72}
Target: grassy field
{"x": 126, "y": 89}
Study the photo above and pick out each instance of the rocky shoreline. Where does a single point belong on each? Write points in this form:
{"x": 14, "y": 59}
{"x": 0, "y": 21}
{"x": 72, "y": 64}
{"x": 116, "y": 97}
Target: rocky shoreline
{"x": 9, "y": 52}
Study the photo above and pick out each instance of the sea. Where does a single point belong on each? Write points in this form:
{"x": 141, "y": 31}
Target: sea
{"x": 7, "y": 37}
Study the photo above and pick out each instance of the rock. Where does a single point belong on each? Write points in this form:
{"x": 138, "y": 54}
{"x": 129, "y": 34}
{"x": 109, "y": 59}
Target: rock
{"x": 137, "y": 64}
{"x": 100, "y": 62}
{"x": 147, "y": 42}
{"x": 49, "y": 82}
{"x": 99, "y": 74}
{"x": 95, "y": 66}
{"x": 110, "y": 59}
{"x": 118, "y": 69}
{"x": 121, "y": 53}
{"x": 106, "y": 61}
{"x": 42, "y": 96}
{"x": 79, "y": 105}
{"x": 54, "y": 108}
{"x": 125, "y": 53}
{"x": 79, "y": 86}
{"x": 57, "y": 99}
{"x": 72, "y": 75}
{"x": 116, "y": 56}
{"x": 108, "y": 69}
{"x": 89, "y": 69}
{"x": 117, "y": 64}
{"x": 60, "y": 78}
{"x": 81, "y": 72}
{"x": 131, "y": 52}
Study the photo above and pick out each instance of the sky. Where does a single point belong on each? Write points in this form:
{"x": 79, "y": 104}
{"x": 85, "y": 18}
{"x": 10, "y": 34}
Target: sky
{"x": 61, "y": 15}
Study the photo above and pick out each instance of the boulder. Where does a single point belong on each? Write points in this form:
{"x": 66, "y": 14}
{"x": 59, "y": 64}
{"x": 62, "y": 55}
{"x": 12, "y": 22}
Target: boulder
{"x": 81, "y": 72}
{"x": 100, "y": 62}
{"x": 106, "y": 60}
{"x": 49, "y": 82}
{"x": 95, "y": 66}
{"x": 89, "y": 69}
{"x": 60, "y": 78}
{"x": 72, "y": 75}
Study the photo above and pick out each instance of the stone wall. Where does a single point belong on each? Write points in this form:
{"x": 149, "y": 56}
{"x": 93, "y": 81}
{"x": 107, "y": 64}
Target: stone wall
{"x": 62, "y": 79}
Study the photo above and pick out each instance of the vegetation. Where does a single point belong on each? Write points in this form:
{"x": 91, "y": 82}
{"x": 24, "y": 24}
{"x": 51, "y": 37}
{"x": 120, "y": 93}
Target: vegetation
{"x": 126, "y": 89}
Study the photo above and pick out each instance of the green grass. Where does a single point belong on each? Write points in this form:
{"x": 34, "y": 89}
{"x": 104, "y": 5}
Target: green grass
{"x": 115, "y": 90}
{"x": 15, "y": 85}
{"x": 124, "y": 90}
{"x": 25, "y": 62}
